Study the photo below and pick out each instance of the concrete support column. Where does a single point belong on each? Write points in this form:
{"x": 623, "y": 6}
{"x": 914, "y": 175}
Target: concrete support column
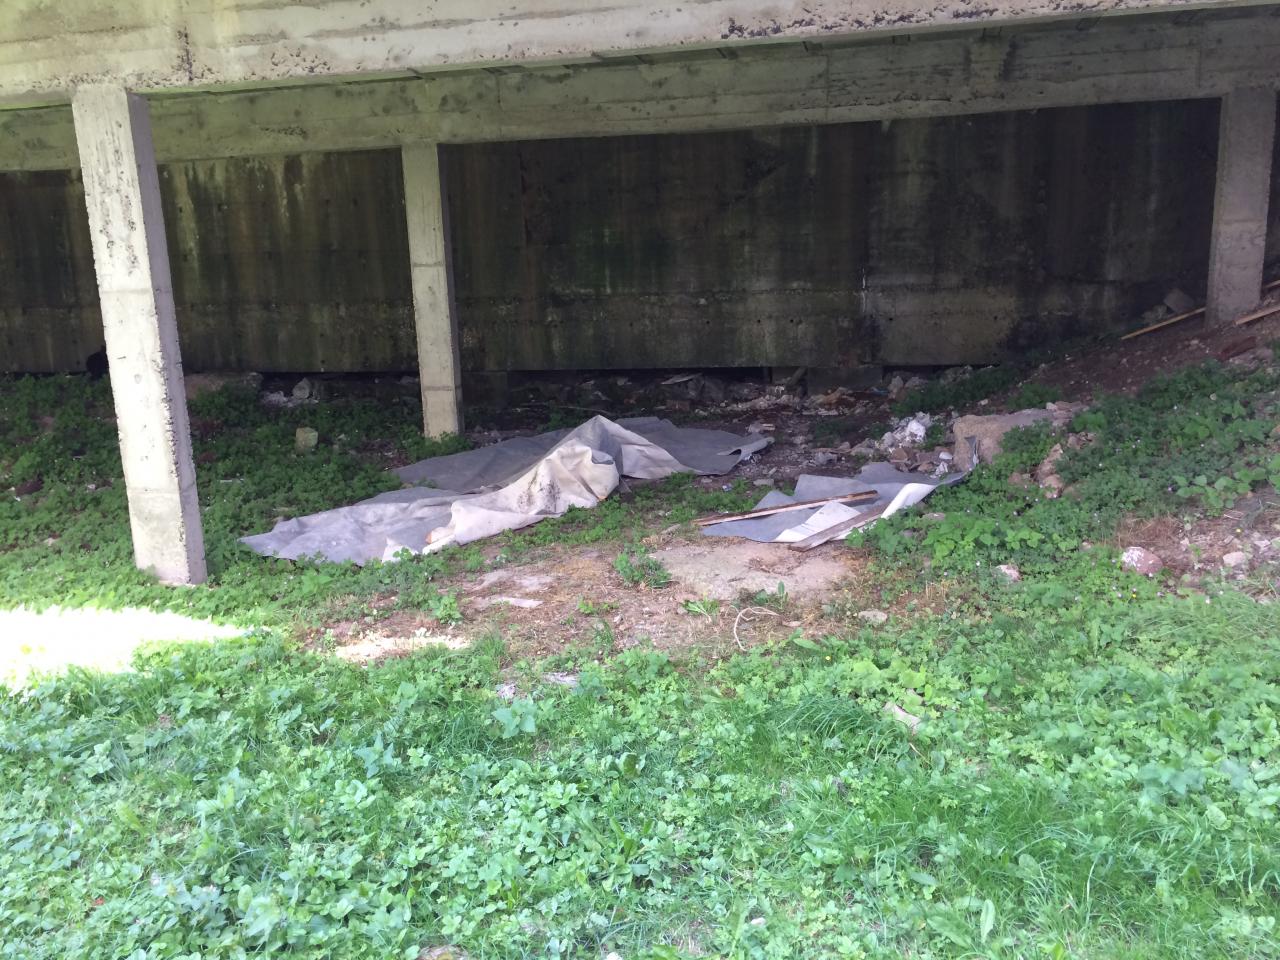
{"x": 1246, "y": 130}
{"x": 122, "y": 192}
{"x": 435, "y": 316}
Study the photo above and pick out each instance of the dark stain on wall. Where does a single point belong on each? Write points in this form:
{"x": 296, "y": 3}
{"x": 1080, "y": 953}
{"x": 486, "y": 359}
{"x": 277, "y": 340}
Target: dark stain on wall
{"x": 918, "y": 241}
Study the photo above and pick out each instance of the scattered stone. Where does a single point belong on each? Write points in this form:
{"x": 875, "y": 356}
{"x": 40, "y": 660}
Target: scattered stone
{"x": 507, "y": 691}
{"x": 763, "y": 482}
{"x": 1141, "y": 560}
{"x": 986, "y": 433}
{"x": 876, "y": 617}
{"x": 1236, "y": 558}
{"x": 824, "y": 457}
{"x": 1252, "y": 358}
{"x": 896, "y": 386}
{"x": 935, "y": 517}
{"x": 304, "y": 389}
{"x": 561, "y": 679}
{"x": 1009, "y": 572}
{"x": 305, "y": 439}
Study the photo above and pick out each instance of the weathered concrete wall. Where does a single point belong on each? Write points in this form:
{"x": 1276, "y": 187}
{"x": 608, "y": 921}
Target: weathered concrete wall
{"x": 281, "y": 263}
{"x": 917, "y": 241}
{"x": 942, "y": 241}
{"x": 49, "y": 46}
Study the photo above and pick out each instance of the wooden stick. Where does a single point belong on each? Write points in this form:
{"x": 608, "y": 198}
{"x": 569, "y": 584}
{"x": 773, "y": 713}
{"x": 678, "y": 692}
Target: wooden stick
{"x": 1257, "y": 314}
{"x": 860, "y": 497}
{"x": 844, "y": 526}
{"x": 1164, "y": 323}
{"x": 1195, "y": 313}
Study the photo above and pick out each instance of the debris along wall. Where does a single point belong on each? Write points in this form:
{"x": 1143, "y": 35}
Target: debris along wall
{"x": 914, "y": 242}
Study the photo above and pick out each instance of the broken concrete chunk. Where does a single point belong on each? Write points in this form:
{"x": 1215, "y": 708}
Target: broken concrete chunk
{"x": 305, "y": 439}
{"x": 1141, "y": 560}
{"x": 1178, "y": 302}
{"x": 987, "y": 431}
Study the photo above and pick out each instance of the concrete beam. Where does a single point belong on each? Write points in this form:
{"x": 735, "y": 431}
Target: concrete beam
{"x": 122, "y": 192}
{"x": 1051, "y": 65}
{"x": 46, "y": 48}
{"x": 431, "y": 273}
{"x": 1237, "y": 252}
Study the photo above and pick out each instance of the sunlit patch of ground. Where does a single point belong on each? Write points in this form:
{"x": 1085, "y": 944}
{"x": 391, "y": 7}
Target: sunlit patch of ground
{"x": 38, "y": 643}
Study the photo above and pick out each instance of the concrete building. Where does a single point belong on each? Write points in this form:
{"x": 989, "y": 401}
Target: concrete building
{"x": 382, "y": 184}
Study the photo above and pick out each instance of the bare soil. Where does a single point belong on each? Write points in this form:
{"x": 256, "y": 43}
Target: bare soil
{"x": 570, "y": 598}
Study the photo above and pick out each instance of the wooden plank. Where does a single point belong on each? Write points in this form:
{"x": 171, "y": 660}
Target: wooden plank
{"x": 860, "y": 497}
{"x": 845, "y": 526}
{"x": 1258, "y": 314}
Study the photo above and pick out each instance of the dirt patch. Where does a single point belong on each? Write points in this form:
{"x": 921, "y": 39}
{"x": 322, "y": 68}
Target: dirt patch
{"x": 1243, "y": 544}
{"x": 725, "y": 569}
{"x": 571, "y": 599}
{"x": 1124, "y": 366}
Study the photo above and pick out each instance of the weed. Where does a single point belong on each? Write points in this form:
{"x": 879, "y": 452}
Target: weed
{"x": 1033, "y": 395}
{"x": 706, "y": 607}
{"x": 775, "y": 599}
{"x": 595, "y": 608}
{"x": 518, "y": 717}
{"x": 638, "y": 567}
{"x": 941, "y": 395}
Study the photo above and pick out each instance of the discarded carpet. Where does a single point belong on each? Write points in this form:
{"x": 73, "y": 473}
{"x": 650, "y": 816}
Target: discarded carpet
{"x": 478, "y": 493}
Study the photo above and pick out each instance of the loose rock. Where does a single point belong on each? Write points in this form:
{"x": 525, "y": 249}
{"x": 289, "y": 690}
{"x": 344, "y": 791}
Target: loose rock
{"x": 987, "y": 431}
{"x": 305, "y": 439}
{"x": 1141, "y": 560}
{"x": 877, "y": 617}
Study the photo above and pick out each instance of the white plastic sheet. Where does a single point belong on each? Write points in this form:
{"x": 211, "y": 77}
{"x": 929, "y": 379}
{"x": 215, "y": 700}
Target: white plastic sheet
{"x": 896, "y": 491}
{"x": 476, "y": 494}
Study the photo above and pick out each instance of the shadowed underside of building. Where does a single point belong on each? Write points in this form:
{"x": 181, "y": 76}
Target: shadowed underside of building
{"x": 368, "y": 186}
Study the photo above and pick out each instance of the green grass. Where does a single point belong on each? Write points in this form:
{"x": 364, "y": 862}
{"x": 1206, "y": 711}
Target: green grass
{"x": 1200, "y": 439}
{"x": 1101, "y": 790}
{"x": 1095, "y": 774}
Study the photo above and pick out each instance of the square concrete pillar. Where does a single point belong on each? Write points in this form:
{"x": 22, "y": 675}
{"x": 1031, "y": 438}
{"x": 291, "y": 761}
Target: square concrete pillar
{"x": 122, "y": 192}
{"x": 1246, "y": 130}
{"x": 434, "y": 312}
